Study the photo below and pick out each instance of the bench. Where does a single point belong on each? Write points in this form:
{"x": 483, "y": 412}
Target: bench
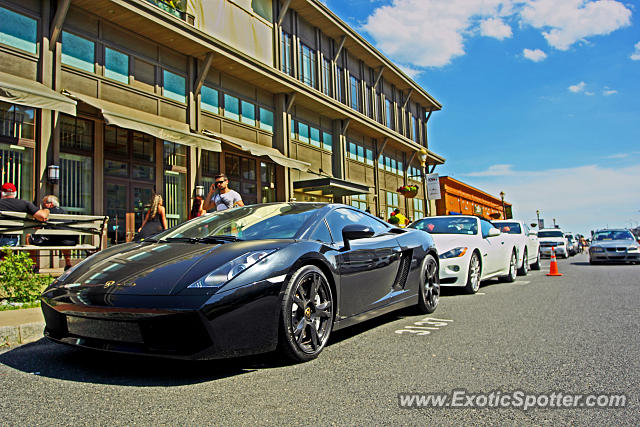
{"x": 90, "y": 228}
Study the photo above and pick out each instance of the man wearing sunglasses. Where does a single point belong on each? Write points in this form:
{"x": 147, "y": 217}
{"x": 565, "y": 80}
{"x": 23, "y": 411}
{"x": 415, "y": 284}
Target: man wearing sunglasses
{"x": 221, "y": 196}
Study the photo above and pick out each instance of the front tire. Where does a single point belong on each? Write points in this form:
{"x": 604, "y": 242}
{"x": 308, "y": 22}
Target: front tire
{"x": 473, "y": 275}
{"x": 306, "y": 315}
{"x": 522, "y": 271}
{"x": 429, "y": 286}
{"x": 513, "y": 263}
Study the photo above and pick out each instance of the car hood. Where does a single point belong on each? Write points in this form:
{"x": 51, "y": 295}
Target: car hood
{"x": 445, "y": 242}
{"x": 156, "y": 268}
{"x": 615, "y": 243}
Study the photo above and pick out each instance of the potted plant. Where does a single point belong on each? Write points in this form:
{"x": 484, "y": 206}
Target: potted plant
{"x": 409, "y": 191}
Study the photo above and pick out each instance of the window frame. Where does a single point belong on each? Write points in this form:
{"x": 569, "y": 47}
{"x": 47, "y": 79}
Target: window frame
{"x": 30, "y": 15}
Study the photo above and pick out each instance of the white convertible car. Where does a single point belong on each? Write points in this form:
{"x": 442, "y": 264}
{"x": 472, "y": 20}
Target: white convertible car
{"x": 526, "y": 242}
{"x": 470, "y": 249}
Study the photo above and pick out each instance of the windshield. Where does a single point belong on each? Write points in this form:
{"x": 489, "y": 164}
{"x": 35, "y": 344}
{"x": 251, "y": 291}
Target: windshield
{"x": 509, "y": 227}
{"x": 255, "y": 222}
{"x": 551, "y": 233}
{"x": 452, "y": 225}
{"x": 613, "y": 235}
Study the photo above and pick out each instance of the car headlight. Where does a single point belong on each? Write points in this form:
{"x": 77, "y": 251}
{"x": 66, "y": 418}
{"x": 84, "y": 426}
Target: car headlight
{"x": 453, "y": 253}
{"x": 597, "y": 249}
{"x": 633, "y": 249}
{"x": 223, "y": 274}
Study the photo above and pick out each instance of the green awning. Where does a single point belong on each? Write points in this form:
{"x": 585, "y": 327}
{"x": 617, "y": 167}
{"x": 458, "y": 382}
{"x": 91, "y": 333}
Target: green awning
{"x": 21, "y": 91}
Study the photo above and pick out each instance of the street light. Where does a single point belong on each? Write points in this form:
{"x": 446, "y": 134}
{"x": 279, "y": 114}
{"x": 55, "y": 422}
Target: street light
{"x": 504, "y": 212}
{"x": 422, "y": 156}
{"x": 538, "y": 215}
{"x": 554, "y": 223}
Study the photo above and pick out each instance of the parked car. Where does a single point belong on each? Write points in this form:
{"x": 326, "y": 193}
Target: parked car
{"x": 471, "y": 249}
{"x": 526, "y": 241}
{"x": 243, "y": 281}
{"x": 572, "y": 244}
{"x": 553, "y": 238}
{"x": 614, "y": 245}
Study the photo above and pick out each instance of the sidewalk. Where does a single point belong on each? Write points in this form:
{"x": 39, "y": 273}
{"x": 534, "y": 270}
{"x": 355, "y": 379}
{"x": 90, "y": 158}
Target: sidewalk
{"x": 20, "y": 326}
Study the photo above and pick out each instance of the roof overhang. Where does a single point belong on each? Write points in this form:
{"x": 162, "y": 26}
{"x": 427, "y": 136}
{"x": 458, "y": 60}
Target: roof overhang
{"x": 21, "y": 91}
{"x": 330, "y": 187}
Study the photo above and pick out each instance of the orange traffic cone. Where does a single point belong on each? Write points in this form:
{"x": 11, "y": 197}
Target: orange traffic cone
{"x": 553, "y": 267}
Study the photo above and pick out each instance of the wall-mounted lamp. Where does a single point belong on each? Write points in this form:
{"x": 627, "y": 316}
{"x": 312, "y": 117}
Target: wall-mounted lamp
{"x": 199, "y": 192}
{"x": 53, "y": 174}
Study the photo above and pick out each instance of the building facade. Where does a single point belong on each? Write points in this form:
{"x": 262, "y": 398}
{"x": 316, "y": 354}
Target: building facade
{"x": 459, "y": 198}
{"x": 132, "y": 97}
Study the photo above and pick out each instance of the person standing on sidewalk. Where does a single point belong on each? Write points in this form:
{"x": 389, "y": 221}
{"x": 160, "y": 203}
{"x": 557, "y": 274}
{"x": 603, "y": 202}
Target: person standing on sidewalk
{"x": 221, "y": 196}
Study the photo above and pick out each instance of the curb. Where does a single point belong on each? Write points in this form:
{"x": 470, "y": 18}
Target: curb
{"x": 22, "y": 334}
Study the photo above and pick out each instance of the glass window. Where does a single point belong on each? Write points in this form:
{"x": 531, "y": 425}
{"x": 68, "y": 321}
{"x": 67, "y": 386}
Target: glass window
{"x": 285, "y": 48}
{"x": 76, "y": 134}
{"x": 263, "y": 8}
{"x": 116, "y": 141}
{"x": 355, "y": 93}
{"x": 314, "y": 135}
{"x": 321, "y": 233}
{"x": 418, "y": 208}
{"x": 326, "y": 76}
{"x": 266, "y": 119}
{"x": 231, "y": 107}
{"x": 18, "y": 31}
{"x": 78, "y": 52}
{"x": 175, "y": 197}
{"x": 340, "y": 84}
{"x": 143, "y": 147}
{"x": 359, "y": 201}
{"x": 353, "y": 151}
{"x": 142, "y": 172}
{"x": 210, "y": 164}
{"x": 303, "y": 132}
{"x": 327, "y": 141}
{"x": 369, "y": 156}
{"x": 174, "y": 86}
{"x": 360, "y": 157}
{"x": 116, "y": 65}
{"x": 268, "y": 182}
{"x": 400, "y": 170}
{"x": 308, "y": 65}
{"x": 485, "y": 226}
{"x": 16, "y": 121}
{"x": 76, "y": 178}
{"x": 448, "y": 225}
{"x": 209, "y": 100}
{"x": 341, "y": 217}
{"x": 116, "y": 168}
{"x": 175, "y": 154}
{"x": 248, "y": 113}
{"x": 16, "y": 166}
{"x": 293, "y": 129}
{"x": 389, "y": 111}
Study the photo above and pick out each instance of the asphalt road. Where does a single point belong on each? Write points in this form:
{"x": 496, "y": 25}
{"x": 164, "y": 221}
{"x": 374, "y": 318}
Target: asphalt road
{"x": 574, "y": 334}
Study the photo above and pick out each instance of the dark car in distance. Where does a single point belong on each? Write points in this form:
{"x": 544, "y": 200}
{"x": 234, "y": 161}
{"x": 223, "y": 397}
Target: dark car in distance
{"x": 243, "y": 281}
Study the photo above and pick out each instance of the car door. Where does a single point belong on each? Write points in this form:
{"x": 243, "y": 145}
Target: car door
{"x": 532, "y": 243}
{"x": 368, "y": 268}
{"x": 494, "y": 254}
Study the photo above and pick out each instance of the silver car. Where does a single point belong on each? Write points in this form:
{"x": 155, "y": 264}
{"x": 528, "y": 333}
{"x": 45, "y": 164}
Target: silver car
{"x": 614, "y": 245}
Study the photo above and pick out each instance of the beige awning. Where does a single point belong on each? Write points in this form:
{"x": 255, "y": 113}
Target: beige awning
{"x": 260, "y": 150}
{"x": 160, "y": 127}
{"x": 18, "y": 90}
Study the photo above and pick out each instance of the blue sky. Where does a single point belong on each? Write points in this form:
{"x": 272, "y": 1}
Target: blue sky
{"x": 541, "y": 98}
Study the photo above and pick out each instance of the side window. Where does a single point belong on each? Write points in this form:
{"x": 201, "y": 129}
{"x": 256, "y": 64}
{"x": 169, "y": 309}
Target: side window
{"x": 486, "y": 226}
{"x": 321, "y": 233}
{"x": 525, "y": 229}
{"x": 341, "y": 217}
{"x": 378, "y": 226}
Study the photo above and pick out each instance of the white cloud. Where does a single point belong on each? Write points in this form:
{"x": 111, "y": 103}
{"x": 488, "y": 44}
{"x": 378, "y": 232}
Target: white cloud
{"x": 578, "y": 87}
{"x": 536, "y": 55}
{"x": 580, "y": 198}
{"x": 618, "y": 156}
{"x": 636, "y": 54}
{"x": 410, "y": 71}
{"x": 495, "y": 170}
{"x": 496, "y": 28}
{"x": 569, "y": 21}
{"x": 431, "y": 33}
{"x": 608, "y": 92}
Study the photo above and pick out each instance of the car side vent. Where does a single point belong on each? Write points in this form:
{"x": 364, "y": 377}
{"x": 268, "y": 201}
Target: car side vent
{"x": 403, "y": 269}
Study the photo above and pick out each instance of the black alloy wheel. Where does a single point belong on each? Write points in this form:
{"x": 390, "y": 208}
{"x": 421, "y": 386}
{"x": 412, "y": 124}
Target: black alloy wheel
{"x": 513, "y": 262}
{"x": 306, "y": 314}
{"x": 522, "y": 271}
{"x": 473, "y": 275}
{"x": 429, "y": 291}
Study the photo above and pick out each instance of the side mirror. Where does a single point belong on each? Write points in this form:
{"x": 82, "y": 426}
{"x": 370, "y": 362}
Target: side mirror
{"x": 493, "y": 232}
{"x": 354, "y": 232}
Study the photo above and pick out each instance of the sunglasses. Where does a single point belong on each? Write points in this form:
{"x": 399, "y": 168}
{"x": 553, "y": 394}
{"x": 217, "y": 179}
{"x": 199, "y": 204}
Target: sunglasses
{"x": 219, "y": 182}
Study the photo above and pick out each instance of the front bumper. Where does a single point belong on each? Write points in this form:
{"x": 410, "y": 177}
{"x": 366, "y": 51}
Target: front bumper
{"x": 235, "y": 323}
{"x": 560, "y": 250}
{"x": 453, "y": 271}
{"x": 613, "y": 255}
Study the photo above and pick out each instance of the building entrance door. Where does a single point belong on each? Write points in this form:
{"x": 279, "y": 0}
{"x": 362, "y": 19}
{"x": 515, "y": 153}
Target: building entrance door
{"x": 124, "y": 197}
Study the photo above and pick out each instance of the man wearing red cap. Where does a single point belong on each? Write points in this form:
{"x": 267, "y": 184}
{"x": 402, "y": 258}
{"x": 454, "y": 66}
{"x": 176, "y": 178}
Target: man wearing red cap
{"x": 9, "y": 202}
